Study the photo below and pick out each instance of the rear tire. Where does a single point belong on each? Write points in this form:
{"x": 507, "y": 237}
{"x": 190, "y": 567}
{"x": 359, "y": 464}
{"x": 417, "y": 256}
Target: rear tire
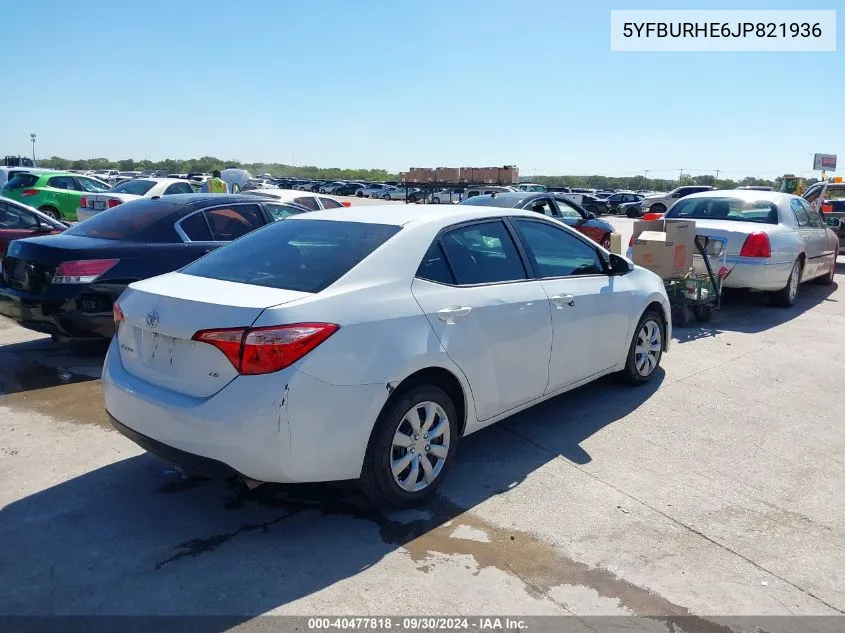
{"x": 634, "y": 213}
{"x": 785, "y": 298}
{"x": 384, "y": 453}
{"x": 645, "y": 350}
{"x": 703, "y": 313}
{"x": 656, "y": 208}
{"x": 51, "y": 211}
{"x": 435, "y": 200}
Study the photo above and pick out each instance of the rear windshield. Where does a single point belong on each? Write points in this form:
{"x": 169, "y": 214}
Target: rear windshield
{"x": 301, "y": 255}
{"x": 137, "y": 221}
{"x": 761, "y": 211}
{"x": 135, "y": 187}
{"x": 21, "y": 181}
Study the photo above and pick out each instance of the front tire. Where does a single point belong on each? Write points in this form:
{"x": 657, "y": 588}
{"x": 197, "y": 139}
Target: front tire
{"x": 645, "y": 350}
{"x": 785, "y": 298}
{"x": 634, "y": 213}
{"x": 386, "y": 196}
{"x": 435, "y": 200}
{"x": 412, "y": 445}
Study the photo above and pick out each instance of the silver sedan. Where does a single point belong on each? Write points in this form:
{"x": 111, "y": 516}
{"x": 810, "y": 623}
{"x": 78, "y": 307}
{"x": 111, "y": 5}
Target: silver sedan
{"x": 771, "y": 241}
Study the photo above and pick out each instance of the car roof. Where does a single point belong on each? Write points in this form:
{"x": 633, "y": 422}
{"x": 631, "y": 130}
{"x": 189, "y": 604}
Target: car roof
{"x": 405, "y": 214}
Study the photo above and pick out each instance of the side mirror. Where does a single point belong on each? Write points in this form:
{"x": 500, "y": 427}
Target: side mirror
{"x": 43, "y": 227}
{"x": 591, "y": 215}
{"x": 619, "y": 265}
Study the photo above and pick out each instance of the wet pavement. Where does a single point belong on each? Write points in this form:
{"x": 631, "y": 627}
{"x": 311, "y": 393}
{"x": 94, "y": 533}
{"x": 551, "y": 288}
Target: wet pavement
{"x": 716, "y": 490}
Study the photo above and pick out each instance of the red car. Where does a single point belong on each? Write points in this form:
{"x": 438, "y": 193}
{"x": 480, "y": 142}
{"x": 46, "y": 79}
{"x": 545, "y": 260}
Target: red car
{"x": 18, "y": 221}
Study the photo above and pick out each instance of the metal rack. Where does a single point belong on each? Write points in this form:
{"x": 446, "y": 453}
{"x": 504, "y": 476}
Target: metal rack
{"x": 428, "y": 188}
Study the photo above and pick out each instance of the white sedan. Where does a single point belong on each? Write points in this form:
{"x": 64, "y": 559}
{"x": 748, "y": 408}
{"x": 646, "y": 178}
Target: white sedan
{"x": 364, "y": 342}
{"x": 772, "y": 241}
{"x": 311, "y": 201}
{"x": 93, "y": 204}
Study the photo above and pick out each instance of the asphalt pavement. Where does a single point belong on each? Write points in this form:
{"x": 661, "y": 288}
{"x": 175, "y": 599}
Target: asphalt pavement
{"x": 715, "y": 490}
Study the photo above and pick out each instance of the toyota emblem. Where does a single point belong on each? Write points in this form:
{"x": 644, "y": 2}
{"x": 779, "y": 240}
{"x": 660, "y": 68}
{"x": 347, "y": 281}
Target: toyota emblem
{"x": 152, "y": 320}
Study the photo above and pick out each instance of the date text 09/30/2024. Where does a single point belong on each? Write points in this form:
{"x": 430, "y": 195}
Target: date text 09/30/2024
{"x": 416, "y": 623}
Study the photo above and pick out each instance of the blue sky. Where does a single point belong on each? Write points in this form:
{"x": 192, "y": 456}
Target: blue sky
{"x": 369, "y": 83}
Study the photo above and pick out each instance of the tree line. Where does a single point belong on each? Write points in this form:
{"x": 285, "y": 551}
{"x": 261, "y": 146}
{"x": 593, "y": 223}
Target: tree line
{"x": 207, "y": 164}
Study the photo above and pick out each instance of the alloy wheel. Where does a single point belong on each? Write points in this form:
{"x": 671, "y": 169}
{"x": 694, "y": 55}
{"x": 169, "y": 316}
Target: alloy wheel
{"x": 648, "y": 348}
{"x": 420, "y": 446}
{"x": 793, "y": 281}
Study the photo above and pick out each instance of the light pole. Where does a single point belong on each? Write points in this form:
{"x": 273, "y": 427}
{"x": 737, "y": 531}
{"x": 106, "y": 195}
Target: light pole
{"x": 32, "y": 138}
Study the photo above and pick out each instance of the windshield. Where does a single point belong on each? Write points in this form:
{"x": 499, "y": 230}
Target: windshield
{"x": 508, "y": 202}
{"x": 731, "y": 209}
{"x": 134, "y": 187}
{"x": 302, "y": 255}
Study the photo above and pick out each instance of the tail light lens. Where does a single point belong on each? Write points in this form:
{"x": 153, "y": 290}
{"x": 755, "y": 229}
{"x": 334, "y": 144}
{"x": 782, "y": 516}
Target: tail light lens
{"x": 117, "y": 311}
{"x": 29, "y": 192}
{"x": 82, "y": 271}
{"x": 827, "y": 208}
{"x": 756, "y": 245}
{"x": 346, "y": 203}
{"x": 83, "y": 202}
{"x": 112, "y": 203}
{"x": 264, "y": 350}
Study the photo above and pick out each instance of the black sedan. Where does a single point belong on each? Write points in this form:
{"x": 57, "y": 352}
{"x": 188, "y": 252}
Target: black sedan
{"x": 65, "y": 284}
{"x": 554, "y": 205}
{"x": 616, "y": 199}
{"x": 594, "y": 205}
{"x": 347, "y": 189}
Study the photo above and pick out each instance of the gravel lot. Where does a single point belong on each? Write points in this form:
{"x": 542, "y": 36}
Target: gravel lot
{"x": 715, "y": 490}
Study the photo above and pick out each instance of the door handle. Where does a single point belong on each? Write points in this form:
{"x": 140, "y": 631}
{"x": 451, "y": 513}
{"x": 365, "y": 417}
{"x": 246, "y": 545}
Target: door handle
{"x": 559, "y": 301}
{"x": 453, "y": 313}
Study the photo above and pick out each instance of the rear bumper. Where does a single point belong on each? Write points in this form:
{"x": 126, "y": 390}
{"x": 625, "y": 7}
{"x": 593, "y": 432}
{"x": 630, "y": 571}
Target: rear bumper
{"x": 84, "y": 214}
{"x": 63, "y": 317}
{"x": 757, "y": 275}
{"x": 285, "y": 427}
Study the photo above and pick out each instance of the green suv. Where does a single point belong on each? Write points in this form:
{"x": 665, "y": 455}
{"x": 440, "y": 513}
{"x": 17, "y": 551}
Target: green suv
{"x": 55, "y": 193}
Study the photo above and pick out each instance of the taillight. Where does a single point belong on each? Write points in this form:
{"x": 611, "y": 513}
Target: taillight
{"x": 827, "y": 208}
{"x": 82, "y": 271}
{"x": 117, "y": 312}
{"x": 263, "y": 350}
{"x": 29, "y": 192}
{"x": 346, "y": 203}
{"x": 756, "y": 245}
{"x": 113, "y": 203}
{"x": 83, "y": 203}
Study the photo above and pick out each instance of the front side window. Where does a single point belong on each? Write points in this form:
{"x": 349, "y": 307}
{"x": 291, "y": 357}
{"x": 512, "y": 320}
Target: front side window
{"x": 92, "y": 186}
{"x": 178, "y": 187}
{"x": 555, "y": 253}
{"x": 14, "y": 218}
{"x": 815, "y": 218}
{"x": 483, "y": 253}
{"x": 281, "y": 211}
{"x": 567, "y": 211}
{"x": 230, "y": 223}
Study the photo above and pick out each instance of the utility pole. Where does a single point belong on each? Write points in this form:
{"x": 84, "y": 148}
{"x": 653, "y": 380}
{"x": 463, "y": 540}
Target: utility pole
{"x": 717, "y": 173}
{"x": 680, "y": 174}
{"x": 32, "y": 137}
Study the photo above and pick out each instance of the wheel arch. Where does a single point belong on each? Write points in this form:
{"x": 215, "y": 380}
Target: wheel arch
{"x": 442, "y": 378}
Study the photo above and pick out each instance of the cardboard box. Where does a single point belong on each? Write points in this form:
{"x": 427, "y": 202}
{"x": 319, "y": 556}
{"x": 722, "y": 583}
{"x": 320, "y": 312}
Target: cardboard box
{"x": 489, "y": 175}
{"x": 508, "y": 175}
{"x": 664, "y": 247}
{"x": 447, "y": 174}
{"x": 421, "y": 174}
{"x": 467, "y": 174}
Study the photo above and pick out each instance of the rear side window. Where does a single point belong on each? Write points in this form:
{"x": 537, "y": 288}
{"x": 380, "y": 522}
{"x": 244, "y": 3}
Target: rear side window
{"x": 196, "y": 228}
{"x": 61, "y": 182}
{"x": 483, "y": 253}
{"x": 137, "y": 221}
{"x": 434, "y": 266}
{"x": 281, "y": 211}
{"x": 178, "y": 187}
{"x": 309, "y": 202}
{"x": 22, "y": 181}
{"x": 230, "y": 223}
{"x": 302, "y": 255}
{"x": 134, "y": 187}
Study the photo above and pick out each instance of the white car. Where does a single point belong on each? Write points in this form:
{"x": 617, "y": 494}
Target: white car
{"x": 659, "y": 202}
{"x": 92, "y": 204}
{"x": 311, "y": 201}
{"x": 363, "y": 343}
{"x": 445, "y": 196}
{"x": 771, "y": 241}
{"x": 396, "y": 193}
{"x": 373, "y": 190}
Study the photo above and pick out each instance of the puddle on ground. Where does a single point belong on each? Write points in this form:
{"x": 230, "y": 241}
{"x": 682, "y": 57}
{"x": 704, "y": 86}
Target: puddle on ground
{"x": 539, "y": 565}
{"x": 58, "y": 392}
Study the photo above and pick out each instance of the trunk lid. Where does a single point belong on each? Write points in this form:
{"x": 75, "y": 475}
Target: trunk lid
{"x": 163, "y": 313}
{"x": 100, "y": 201}
{"x": 732, "y": 233}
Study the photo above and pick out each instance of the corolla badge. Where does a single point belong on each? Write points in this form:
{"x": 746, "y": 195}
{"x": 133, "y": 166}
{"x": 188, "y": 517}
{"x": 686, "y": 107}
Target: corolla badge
{"x": 152, "y": 320}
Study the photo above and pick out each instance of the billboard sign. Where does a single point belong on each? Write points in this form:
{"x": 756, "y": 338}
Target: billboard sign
{"x": 824, "y": 162}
